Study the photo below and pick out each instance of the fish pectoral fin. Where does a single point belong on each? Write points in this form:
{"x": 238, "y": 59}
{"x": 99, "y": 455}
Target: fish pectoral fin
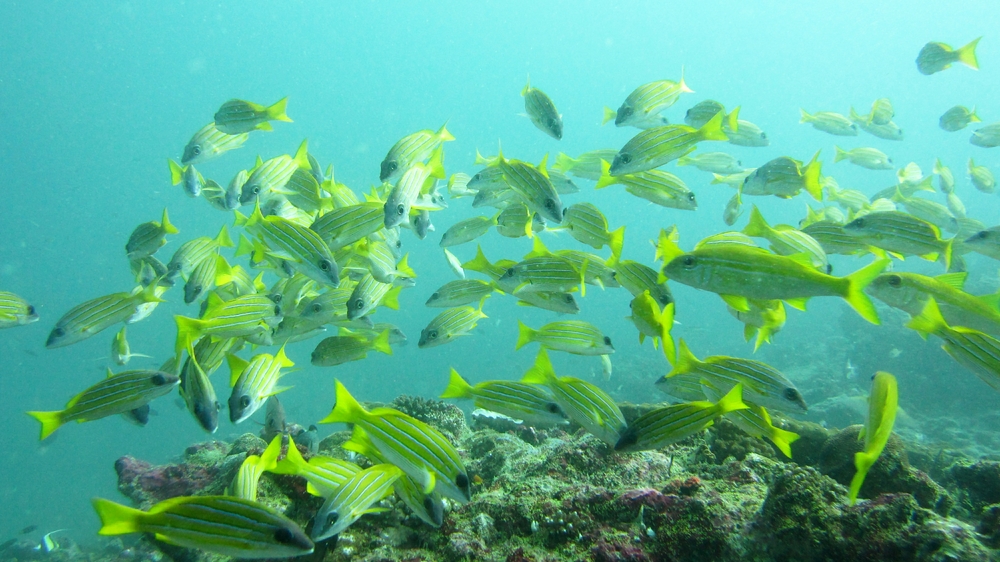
{"x": 736, "y": 301}
{"x": 799, "y": 303}
{"x": 278, "y": 390}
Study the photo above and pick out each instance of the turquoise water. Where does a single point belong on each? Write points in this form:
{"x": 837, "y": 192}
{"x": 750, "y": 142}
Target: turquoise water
{"x": 95, "y": 96}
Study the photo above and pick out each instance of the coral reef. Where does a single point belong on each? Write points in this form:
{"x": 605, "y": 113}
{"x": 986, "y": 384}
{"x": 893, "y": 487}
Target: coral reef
{"x": 561, "y": 494}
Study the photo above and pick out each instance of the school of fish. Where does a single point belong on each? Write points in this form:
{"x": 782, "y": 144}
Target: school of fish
{"x": 315, "y": 260}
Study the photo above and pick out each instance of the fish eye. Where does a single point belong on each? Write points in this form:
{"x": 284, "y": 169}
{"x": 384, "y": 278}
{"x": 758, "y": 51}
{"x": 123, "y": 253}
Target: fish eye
{"x": 568, "y": 298}
{"x": 244, "y": 401}
{"x": 276, "y": 298}
{"x": 359, "y": 303}
{"x": 462, "y": 481}
{"x": 392, "y": 166}
{"x": 982, "y": 235}
{"x": 625, "y": 111}
{"x": 158, "y": 380}
{"x": 665, "y": 300}
{"x": 688, "y": 262}
{"x": 255, "y": 189}
{"x": 691, "y": 196}
{"x": 277, "y": 310}
{"x": 218, "y": 407}
{"x": 858, "y": 223}
{"x": 432, "y": 335}
{"x": 895, "y": 281}
{"x": 552, "y": 408}
{"x": 477, "y": 177}
{"x": 508, "y": 273}
{"x": 550, "y": 204}
{"x": 31, "y": 309}
{"x": 399, "y": 244}
{"x": 283, "y": 535}
{"x": 58, "y": 332}
{"x": 198, "y": 409}
{"x": 739, "y": 163}
{"x": 829, "y": 268}
{"x": 792, "y": 395}
{"x": 607, "y": 340}
{"x": 196, "y": 150}
{"x": 324, "y": 265}
{"x": 763, "y": 135}
{"x": 624, "y": 158}
{"x": 316, "y": 307}
{"x": 889, "y": 160}
{"x": 435, "y": 295}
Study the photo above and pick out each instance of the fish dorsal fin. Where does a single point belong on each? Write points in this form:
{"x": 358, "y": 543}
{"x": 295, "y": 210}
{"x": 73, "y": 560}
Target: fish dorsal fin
{"x": 955, "y": 280}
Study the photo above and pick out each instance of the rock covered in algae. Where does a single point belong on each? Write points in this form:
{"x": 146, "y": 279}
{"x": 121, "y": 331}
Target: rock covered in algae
{"x": 890, "y": 474}
{"x": 979, "y": 483}
{"x": 554, "y": 494}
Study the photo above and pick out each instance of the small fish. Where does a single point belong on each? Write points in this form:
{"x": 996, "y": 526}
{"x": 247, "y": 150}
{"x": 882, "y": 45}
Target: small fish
{"x": 516, "y": 221}
{"x": 931, "y": 211}
{"x": 871, "y": 158}
{"x": 746, "y": 134}
{"x": 451, "y": 324}
{"x": 656, "y": 186}
{"x": 202, "y": 279}
{"x": 337, "y": 350}
{"x": 883, "y": 404}
{"x": 638, "y": 278}
{"x": 187, "y": 175}
{"x": 95, "y": 315}
{"x": 586, "y": 165}
{"x": 459, "y": 293}
{"x": 346, "y": 225}
{"x": 958, "y": 118}
{"x": 903, "y": 234}
{"x": 542, "y": 112}
{"x": 116, "y": 394}
{"x": 986, "y": 137}
{"x": 762, "y": 383}
{"x": 236, "y": 318}
{"x": 238, "y": 116}
{"x": 302, "y": 247}
{"x": 15, "y": 311}
{"x": 653, "y": 321}
{"x": 149, "y": 237}
{"x": 661, "y": 427}
{"x": 830, "y": 122}
{"x": 646, "y": 102}
{"x": 219, "y": 524}
{"x": 121, "y": 352}
{"x": 244, "y": 484}
{"x": 411, "y": 184}
{"x": 946, "y": 180}
{"x": 584, "y": 403}
{"x": 209, "y": 143}
{"x": 653, "y": 148}
{"x": 542, "y": 273}
{"x": 369, "y": 294}
{"x": 275, "y": 422}
{"x": 888, "y": 131}
{"x": 532, "y": 186}
{"x": 421, "y": 451}
{"x": 197, "y": 390}
{"x": 467, "y": 230}
{"x": 734, "y": 208}
{"x": 785, "y": 177}
{"x": 588, "y": 225}
{"x": 48, "y": 544}
{"x": 254, "y": 381}
{"x": 409, "y": 150}
{"x": 324, "y": 475}
{"x": 354, "y": 498}
{"x": 982, "y": 177}
{"x": 715, "y": 162}
{"x": 972, "y": 349}
{"x": 269, "y": 177}
{"x": 515, "y": 399}
{"x": 761, "y": 320}
{"x": 935, "y": 57}
{"x": 741, "y": 272}
{"x": 483, "y": 265}
{"x": 985, "y": 242}
{"x": 786, "y": 240}
{"x": 910, "y": 292}
{"x": 703, "y": 111}
{"x": 571, "y": 336}
{"x": 193, "y": 252}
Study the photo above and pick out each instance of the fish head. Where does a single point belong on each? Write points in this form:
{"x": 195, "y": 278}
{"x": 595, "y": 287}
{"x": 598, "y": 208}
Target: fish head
{"x": 623, "y": 115}
{"x": 893, "y": 290}
{"x": 60, "y": 336}
{"x": 464, "y": 484}
{"x": 291, "y": 537}
{"x": 552, "y": 209}
{"x": 389, "y": 169}
{"x": 396, "y": 210}
{"x": 983, "y": 237}
{"x": 192, "y": 153}
{"x": 429, "y": 337}
{"x": 207, "y": 414}
{"x": 858, "y": 227}
{"x": 622, "y": 163}
{"x": 249, "y": 191}
{"x": 241, "y": 405}
{"x": 434, "y": 508}
{"x": 330, "y": 269}
{"x": 792, "y": 397}
{"x": 553, "y": 126}
{"x": 192, "y": 291}
{"x": 356, "y": 307}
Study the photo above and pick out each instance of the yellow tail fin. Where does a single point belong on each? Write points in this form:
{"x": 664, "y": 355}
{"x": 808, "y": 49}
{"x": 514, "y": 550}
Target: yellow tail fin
{"x": 457, "y": 387}
{"x": 117, "y": 519}
{"x": 346, "y": 409}
{"x": 967, "y": 54}
{"x": 50, "y": 421}
{"x": 857, "y": 282}
{"x": 713, "y": 129}
{"x": 277, "y": 111}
